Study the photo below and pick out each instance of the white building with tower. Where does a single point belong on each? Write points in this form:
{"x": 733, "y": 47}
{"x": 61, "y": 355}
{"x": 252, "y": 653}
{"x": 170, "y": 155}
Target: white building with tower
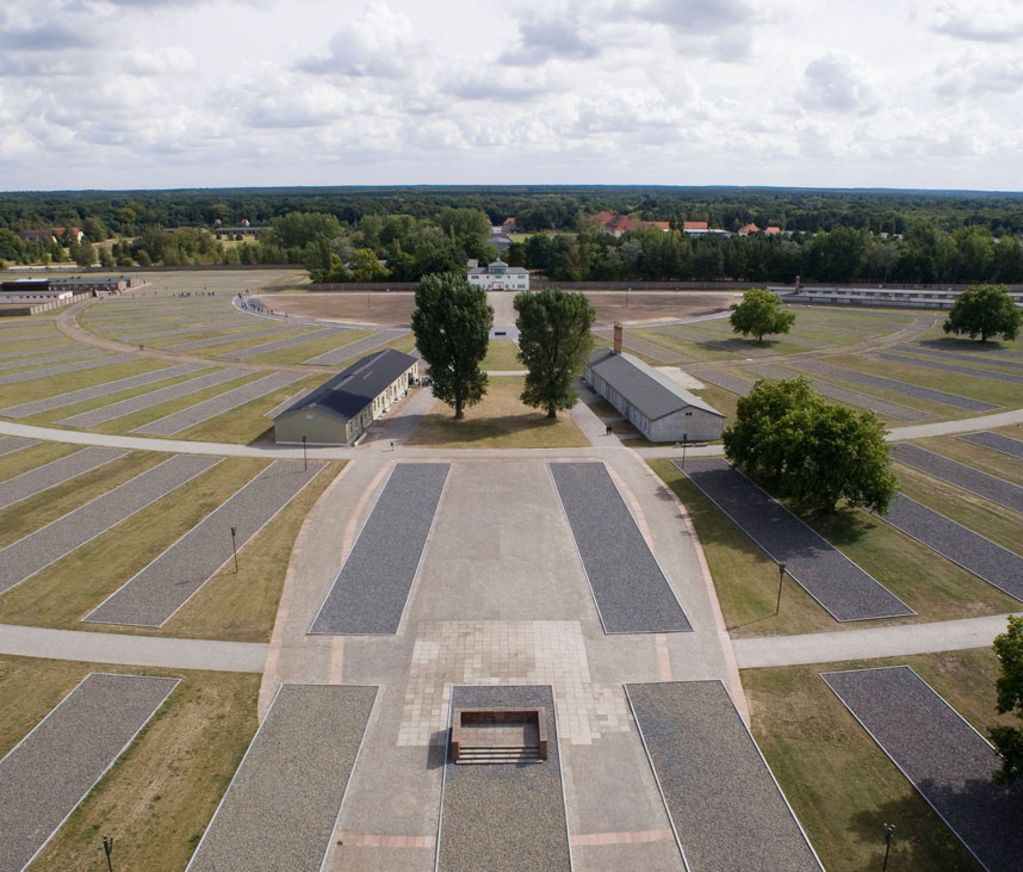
{"x": 498, "y": 276}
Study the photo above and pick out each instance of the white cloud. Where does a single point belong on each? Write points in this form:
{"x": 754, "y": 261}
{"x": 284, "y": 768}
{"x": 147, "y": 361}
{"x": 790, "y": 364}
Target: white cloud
{"x": 380, "y": 43}
{"x": 986, "y": 21}
{"x": 979, "y": 74}
{"x": 838, "y": 83}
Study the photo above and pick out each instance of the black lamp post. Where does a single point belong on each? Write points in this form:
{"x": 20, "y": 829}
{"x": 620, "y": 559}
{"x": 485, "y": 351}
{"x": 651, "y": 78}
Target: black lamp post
{"x": 685, "y": 440}
{"x": 108, "y": 847}
{"x": 781, "y": 578}
{"x": 889, "y": 837}
{"x": 305, "y": 459}
{"x": 234, "y": 547}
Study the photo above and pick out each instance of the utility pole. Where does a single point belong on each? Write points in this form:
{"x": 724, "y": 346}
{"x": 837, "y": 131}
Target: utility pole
{"x": 685, "y": 440}
{"x": 781, "y": 578}
{"x": 889, "y": 837}
{"x": 108, "y": 847}
{"x": 234, "y": 547}
{"x": 305, "y": 459}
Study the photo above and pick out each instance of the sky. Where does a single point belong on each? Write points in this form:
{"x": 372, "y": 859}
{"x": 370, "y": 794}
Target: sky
{"x": 217, "y": 93}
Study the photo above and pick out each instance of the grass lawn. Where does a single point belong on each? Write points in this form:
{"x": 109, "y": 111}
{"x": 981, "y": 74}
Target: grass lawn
{"x": 499, "y": 421}
{"x": 502, "y": 356}
{"x": 746, "y": 579}
{"x": 72, "y": 380}
{"x": 841, "y": 785}
{"x": 314, "y": 348}
{"x": 159, "y": 796}
{"x": 229, "y": 346}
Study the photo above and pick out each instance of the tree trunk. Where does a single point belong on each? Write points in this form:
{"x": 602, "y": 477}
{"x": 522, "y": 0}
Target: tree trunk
{"x": 458, "y": 410}
{"x": 552, "y": 412}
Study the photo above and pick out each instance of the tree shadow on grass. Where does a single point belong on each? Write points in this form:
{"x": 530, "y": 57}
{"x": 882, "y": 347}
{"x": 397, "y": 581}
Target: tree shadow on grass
{"x": 740, "y": 346}
{"x": 947, "y": 343}
{"x": 843, "y": 526}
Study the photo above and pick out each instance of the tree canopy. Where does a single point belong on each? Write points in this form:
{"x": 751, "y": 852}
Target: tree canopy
{"x": 803, "y": 448}
{"x": 554, "y": 342}
{"x": 1008, "y": 741}
{"x": 760, "y": 312}
{"x": 984, "y": 310}
{"x": 452, "y": 324}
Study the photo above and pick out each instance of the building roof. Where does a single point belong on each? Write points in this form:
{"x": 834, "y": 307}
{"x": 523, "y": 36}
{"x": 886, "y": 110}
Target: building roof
{"x": 695, "y": 225}
{"x": 653, "y": 393}
{"x": 497, "y": 267}
{"x": 352, "y": 389}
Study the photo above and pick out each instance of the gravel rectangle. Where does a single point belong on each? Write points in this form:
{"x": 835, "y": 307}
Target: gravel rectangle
{"x": 281, "y": 807}
{"x": 505, "y": 817}
{"x": 997, "y": 442}
{"x": 28, "y": 484}
{"x": 49, "y": 358}
{"x": 22, "y": 559}
{"x": 222, "y": 339}
{"x": 354, "y": 349}
{"x": 46, "y": 371}
{"x": 979, "y": 358}
{"x": 369, "y": 594}
{"x": 278, "y": 344}
{"x": 175, "y": 423}
{"x": 58, "y": 343}
{"x": 630, "y": 590}
{"x": 899, "y": 387}
{"x": 987, "y": 560}
{"x": 161, "y": 588}
{"x": 153, "y": 398}
{"x": 839, "y": 585}
{"x": 971, "y": 371}
{"x": 990, "y": 487}
{"x": 726, "y": 808}
{"x": 23, "y": 410}
{"x": 724, "y": 379}
{"x": 10, "y": 444}
{"x": 948, "y": 762}
{"x": 48, "y": 773}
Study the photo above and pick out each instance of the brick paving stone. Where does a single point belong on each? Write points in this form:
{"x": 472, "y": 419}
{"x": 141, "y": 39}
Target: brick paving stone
{"x": 280, "y": 809}
{"x": 369, "y": 594}
{"x": 726, "y": 807}
{"x": 505, "y": 817}
{"x": 971, "y": 371}
{"x": 356, "y": 348}
{"x": 161, "y": 588}
{"x": 23, "y": 559}
{"x": 987, "y": 560}
{"x": 948, "y": 762}
{"x": 41, "y": 478}
{"x": 992, "y": 488}
{"x": 153, "y": 398}
{"x": 218, "y": 405}
{"x": 23, "y": 410}
{"x": 839, "y": 585}
{"x": 46, "y": 776}
{"x": 997, "y": 442}
{"x": 631, "y": 592}
{"x": 77, "y": 366}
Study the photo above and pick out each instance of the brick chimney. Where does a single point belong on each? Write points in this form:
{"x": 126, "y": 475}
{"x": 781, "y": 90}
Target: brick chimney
{"x": 618, "y": 337}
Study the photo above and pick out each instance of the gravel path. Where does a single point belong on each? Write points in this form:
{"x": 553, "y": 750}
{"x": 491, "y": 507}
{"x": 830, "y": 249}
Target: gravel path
{"x": 726, "y": 808}
{"x": 846, "y": 395}
{"x": 987, "y": 560}
{"x": 990, "y": 487}
{"x": 278, "y": 344}
{"x": 93, "y": 363}
{"x": 280, "y": 809}
{"x": 997, "y": 442}
{"x": 981, "y": 358}
{"x": 898, "y": 387}
{"x": 631, "y": 592}
{"x": 10, "y": 444}
{"x": 153, "y": 398}
{"x": 971, "y": 371}
{"x": 46, "y": 776}
{"x": 356, "y": 348}
{"x": 505, "y": 817}
{"x": 175, "y": 423}
{"x": 222, "y": 339}
{"x": 161, "y": 588}
{"x": 369, "y": 594}
{"x": 24, "y": 558}
{"x": 69, "y": 398}
{"x": 945, "y": 759}
{"x": 839, "y": 585}
{"x": 28, "y": 484}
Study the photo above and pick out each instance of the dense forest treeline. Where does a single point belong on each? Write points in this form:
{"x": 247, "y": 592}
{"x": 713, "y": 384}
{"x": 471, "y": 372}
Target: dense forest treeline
{"x": 366, "y": 234}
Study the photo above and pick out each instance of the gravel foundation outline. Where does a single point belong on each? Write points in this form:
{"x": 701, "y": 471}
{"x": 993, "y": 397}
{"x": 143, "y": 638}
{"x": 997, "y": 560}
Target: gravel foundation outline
{"x": 155, "y": 594}
{"x": 218, "y": 405}
{"x": 45, "y": 372}
{"x": 353, "y": 349}
{"x": 726, "y": 808}
{"x": 29, "y": 360}
{"x": 971, "y": 371}
{"x": 282, "y": 805}
{"x": 958, "y": 355}
{"x": 148, "y": 400}
{"x": 278, "y": 344}
{"x": 56, "y": 472}
{"x": 504, "y": 817}
{"x": 996, "y": 442}
{"x": 977, "y": 554}
{"x": 221, "y": 339}
{"x": 842, "y": 588}
{"x": 370, "y": 592}
{"x": 941, "y": 754}
{"x": 952, "y": 472}
{"x": 31, "y": 554}
{"x": 23, "y": 410}
{"x": 66, "y": 344}
{"x": 630, "y": 590}
{"x": 724, "y": 379}
{"x": 10, "y": 444}
{"x": 80, "y": 739}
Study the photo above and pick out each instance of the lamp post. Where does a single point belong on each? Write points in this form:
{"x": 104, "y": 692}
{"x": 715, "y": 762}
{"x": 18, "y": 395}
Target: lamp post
{"x": 781, "y": 578}
{"x": 305, "y": 459}
{"x": 234, "y": 547}
{"x": 627, "y": 297}
{"x": 108, "y": 847}
{"x": 889, "y": 837}
{"x": 685, "y": 440}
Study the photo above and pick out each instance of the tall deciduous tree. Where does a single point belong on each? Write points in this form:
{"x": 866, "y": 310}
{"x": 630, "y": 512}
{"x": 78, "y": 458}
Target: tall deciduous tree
{"x": 760, "y": 312}
{"x": 984, "y": 310}
{"x": 554, "y": 341}
{"x": 1008, "y": 741}
{"x": 803, "y": 448}
{"x": 452, "y": 325}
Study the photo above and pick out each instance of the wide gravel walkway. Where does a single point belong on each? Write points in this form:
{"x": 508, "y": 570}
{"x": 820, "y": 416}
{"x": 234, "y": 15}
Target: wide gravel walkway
{"x": 41, "y": 478}
{"x": 997, "y": 442}
{"x": 990, "y": 487}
